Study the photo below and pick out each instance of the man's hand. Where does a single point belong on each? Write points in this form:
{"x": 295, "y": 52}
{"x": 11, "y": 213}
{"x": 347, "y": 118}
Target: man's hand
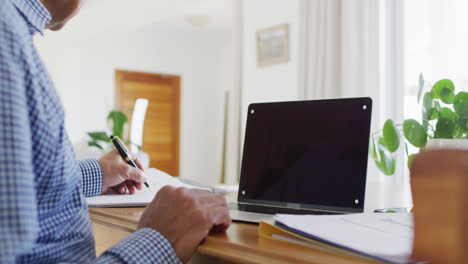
{"x": 185, "y": 217}
{"x": 118, "y": 175}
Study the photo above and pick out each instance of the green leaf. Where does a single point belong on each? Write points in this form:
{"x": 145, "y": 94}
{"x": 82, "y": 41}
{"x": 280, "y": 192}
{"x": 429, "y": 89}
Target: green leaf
{"x": 425, "y": 126}
{"x": 391, "y": 136}
{"x": 445, "y": 128}
{"x": 427, "y": 106}
{"x": 94, "y": 144}
{"x": 410, "y": 160}
{"x": 444, "y": 89}
{"x": 387, "y": 162}
{"x": 437, "y": 106}
{"x": 463, "y": 124}
{"x": 458, "y": 132}
{"x": 426, "y": 116}
{"x": 449, "y": 114}
{"x": 372, "y": 149}
{"x": 99, "y": 136}
{"x": 461, "y": 105}
{"x": 447, "y": 96}
{"x": 119, "y": 120}
{"x": 433, "y": 114}
{"x": 427, "y": 101}
{"x": 434, "y": 95}
{"x": 414, "y": 133}
{"x": 421, "y": 86}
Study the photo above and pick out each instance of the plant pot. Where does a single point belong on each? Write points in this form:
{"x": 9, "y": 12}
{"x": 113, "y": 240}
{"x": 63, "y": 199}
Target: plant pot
{"x": 438, "y": 181}
{"x": 444, "y": 143}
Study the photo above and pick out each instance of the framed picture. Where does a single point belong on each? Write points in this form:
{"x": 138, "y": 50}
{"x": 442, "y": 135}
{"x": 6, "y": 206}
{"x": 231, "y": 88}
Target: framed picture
{"x": 273, "y": 45}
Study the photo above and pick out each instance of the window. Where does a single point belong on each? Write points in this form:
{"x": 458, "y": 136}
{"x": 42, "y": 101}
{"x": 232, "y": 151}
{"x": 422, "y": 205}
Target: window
{"x": 436, "y": 44}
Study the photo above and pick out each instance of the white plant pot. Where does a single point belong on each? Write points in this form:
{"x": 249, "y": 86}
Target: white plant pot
{"x": 444, "y": 143}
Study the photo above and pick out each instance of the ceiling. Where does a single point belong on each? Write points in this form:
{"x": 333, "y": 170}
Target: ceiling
{"x": 107, "y": 16}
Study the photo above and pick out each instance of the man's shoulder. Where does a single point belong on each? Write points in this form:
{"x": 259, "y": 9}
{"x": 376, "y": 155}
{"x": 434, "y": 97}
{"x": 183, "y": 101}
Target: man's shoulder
{"x": 13, "y": 27}
{"x": 14, "y": 45}
{"x": 8, "y": 12}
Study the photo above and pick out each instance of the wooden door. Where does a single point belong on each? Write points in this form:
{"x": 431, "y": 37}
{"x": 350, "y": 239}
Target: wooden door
{"x": 162, "y": 122}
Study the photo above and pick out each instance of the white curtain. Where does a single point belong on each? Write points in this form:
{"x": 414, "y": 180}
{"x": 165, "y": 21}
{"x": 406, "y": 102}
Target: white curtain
{"x": 354, "y": 48}
{"x": 231, "y": 162}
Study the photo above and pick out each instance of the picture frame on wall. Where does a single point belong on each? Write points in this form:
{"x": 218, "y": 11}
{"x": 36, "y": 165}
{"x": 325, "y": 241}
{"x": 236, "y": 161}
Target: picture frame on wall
{"x": 273, "y": 45}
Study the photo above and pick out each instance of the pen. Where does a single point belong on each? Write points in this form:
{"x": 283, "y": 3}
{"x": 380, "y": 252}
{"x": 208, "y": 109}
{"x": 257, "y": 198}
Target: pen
{"x": 123, "y": 151}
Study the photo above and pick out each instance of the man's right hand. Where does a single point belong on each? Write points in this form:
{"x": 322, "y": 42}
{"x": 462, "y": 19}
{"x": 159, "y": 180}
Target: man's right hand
{"x": 185, "y": 217}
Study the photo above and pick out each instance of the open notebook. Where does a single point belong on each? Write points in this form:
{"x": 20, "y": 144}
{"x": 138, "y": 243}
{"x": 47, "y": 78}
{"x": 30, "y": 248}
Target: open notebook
{"x": 156, "y": 178}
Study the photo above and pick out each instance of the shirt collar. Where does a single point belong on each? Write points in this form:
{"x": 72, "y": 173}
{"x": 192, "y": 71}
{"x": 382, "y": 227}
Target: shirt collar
{"x": 37, "y": 16}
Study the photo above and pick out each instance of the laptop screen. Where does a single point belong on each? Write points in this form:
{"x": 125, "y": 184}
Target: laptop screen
{"x": 307, "y": 154}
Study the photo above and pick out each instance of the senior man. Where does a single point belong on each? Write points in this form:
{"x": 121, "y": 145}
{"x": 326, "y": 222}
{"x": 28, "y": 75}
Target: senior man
{"x": 43, "y": 213}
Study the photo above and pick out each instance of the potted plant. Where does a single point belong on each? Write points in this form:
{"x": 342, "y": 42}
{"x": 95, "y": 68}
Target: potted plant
{"x": 100, "y": 141}
{"x": 444, "y": 117}
{"x": 116, "y": 122}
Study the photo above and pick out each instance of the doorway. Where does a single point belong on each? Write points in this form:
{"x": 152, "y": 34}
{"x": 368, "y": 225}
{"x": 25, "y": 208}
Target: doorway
{"x": 162, "y": 122}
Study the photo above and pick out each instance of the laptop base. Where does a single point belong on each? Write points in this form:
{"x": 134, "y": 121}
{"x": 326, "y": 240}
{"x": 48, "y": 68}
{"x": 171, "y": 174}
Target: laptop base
{"x": 251, "y": 213}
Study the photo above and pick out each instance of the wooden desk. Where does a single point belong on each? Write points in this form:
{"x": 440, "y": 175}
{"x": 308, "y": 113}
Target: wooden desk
{"x": 240, "y": 243}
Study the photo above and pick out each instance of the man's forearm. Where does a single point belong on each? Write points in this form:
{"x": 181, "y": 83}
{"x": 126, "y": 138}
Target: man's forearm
{"x": 144, "y": 246}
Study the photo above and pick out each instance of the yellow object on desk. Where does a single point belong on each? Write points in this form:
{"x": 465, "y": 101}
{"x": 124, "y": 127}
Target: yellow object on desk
{"x": 269, "y": 230}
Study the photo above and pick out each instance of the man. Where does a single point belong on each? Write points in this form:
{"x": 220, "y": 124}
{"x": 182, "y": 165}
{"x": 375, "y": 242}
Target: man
{"x": 43, "y": 213}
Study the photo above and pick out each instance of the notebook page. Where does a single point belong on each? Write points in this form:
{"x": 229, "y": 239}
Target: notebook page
{"x": 156, "y": 179}
{"x": 380, "y": 234}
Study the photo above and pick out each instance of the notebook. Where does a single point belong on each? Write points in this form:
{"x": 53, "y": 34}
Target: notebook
{"x": 156, "y": 178}
{"x": 386, "y": 237}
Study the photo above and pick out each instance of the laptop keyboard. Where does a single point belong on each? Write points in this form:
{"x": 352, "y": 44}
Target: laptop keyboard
{"x": 273, "y": 210}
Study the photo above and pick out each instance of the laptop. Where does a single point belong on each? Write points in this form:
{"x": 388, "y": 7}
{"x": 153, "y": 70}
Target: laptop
{"x": 304, "y": 157}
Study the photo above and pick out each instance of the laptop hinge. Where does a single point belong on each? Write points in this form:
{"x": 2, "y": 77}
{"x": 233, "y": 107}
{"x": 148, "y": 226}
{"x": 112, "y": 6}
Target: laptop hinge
{"x": 293, "y": 208}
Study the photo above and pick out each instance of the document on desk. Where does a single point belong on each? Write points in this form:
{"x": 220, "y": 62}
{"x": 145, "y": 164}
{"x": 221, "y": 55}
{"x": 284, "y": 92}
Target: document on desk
{"x": 387, "y": 236}
{"x": 156, "y": 178}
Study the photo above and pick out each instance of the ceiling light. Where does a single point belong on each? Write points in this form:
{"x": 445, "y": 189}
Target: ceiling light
{"x": 198, "y": 20}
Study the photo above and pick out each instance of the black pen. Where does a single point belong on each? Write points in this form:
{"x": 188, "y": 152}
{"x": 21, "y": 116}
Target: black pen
{"x": 124, "y": 153}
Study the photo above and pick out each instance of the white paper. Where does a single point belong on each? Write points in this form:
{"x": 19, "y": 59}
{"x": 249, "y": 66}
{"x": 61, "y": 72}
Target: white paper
{"x": 156, "y": 179}
{"x": 388, "y": 235}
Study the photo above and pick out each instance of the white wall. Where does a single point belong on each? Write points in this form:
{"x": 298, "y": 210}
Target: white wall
{"x": 84, "y": 76}
{"x": 272, "y": 83}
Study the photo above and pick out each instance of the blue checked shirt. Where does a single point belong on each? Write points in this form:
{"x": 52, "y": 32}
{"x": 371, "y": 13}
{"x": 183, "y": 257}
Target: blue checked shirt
{"x": 43, "y": 213}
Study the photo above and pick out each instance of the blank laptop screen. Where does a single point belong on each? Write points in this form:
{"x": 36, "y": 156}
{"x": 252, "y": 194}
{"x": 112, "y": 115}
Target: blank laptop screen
{"x": 307, "y": 154}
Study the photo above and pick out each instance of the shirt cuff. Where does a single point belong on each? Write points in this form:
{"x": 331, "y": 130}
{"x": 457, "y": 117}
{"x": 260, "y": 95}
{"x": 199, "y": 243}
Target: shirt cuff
{"x": 92, "y": 177}
{"x": 144, "y": 246}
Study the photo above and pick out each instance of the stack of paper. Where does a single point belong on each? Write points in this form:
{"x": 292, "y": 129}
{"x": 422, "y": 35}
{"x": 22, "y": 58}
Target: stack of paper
{"x": 385, "y": 236}
{"x": 156, "y": 179}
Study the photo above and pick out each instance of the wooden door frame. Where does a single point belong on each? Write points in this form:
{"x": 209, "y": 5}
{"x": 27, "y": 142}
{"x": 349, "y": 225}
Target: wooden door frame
{"x": 176, "y": 80}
